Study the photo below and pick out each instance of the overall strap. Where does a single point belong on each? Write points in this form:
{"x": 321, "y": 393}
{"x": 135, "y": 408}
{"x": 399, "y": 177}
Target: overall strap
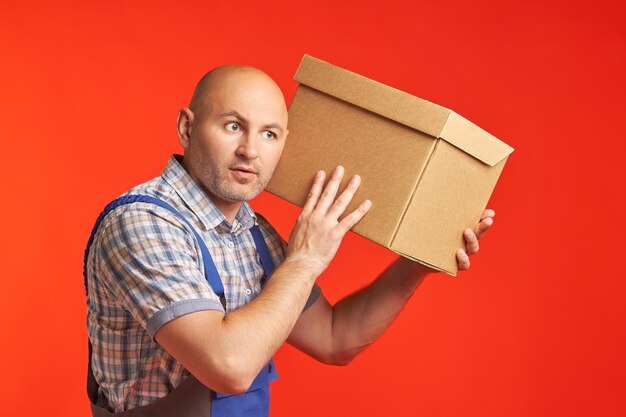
{"x": 264, "y": 253}
{"x": 189, "y": 394}
{"x": 210, "y": 271}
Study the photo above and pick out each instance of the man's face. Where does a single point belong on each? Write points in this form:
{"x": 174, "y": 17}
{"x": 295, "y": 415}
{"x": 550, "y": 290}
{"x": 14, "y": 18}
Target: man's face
{"x": 236, "y": 137}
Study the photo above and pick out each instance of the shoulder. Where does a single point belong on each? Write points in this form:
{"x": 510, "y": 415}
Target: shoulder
{"x": 145, "y": 222}
{"x": 157, "y": 187}
{"x": 142, "y": 221}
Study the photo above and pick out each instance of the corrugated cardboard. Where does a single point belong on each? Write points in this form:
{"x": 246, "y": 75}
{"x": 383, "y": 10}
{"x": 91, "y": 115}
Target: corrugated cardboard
{"x": 428, "y": 171}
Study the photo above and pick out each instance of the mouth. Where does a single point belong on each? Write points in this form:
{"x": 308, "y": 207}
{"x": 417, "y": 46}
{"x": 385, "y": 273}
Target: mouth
{"x": 243, "y": 174}
{"x": 244, "y": 169}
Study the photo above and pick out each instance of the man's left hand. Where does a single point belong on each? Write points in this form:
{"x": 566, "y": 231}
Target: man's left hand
{"x": 471, "y": 239}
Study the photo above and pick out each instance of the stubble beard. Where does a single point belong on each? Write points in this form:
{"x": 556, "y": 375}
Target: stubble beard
{"x": 221, "y": 184}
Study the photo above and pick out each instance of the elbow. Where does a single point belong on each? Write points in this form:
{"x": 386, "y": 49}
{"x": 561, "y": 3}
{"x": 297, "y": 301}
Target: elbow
{"x": 345, "y": 356}
{"x": 237, "y": 376}
{"x": 234, "y": 387}
{"x": 341, "y": 358}
{"x": 342, "y": 354}
{"x": 338, "y": 354}
{"x": 233, "y": 377}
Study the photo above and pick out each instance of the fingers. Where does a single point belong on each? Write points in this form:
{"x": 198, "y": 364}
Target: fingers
{"x": 329, "y": 193}
{"x": 318, "y": 233}
{"x": 471, "y": 239}
{"x": 351, "y": 219}
{"x": 483, "y": 226}
{"x": 323, "y": 199}
{"x": 488, "y": 213}
{"x": 471, "y": 242}
{"x": 314, "y": 193}
{"x": 462, "y": 259}
{"x": 341, "y": 203}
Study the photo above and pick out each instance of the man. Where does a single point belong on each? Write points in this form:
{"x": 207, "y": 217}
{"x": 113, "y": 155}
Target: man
{"x": 168, "y": 341}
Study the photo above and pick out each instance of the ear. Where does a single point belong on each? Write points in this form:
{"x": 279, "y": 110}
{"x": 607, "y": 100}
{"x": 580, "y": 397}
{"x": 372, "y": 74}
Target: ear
{"x": 183, "y": 126}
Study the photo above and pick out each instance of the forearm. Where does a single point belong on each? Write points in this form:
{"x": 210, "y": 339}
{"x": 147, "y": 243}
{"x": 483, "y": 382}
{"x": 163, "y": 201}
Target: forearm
{"x": 254, "y": 332}
{"x": 361, "y": 318}
{"x": 226, "y": 351}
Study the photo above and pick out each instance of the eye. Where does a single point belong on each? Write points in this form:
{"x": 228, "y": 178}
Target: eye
{"x": 233, "y": 127}
{"x": 268, "y": 134}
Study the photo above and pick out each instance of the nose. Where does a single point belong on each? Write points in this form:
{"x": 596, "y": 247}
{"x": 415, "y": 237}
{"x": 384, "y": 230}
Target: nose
{"x": 248, "y": 147}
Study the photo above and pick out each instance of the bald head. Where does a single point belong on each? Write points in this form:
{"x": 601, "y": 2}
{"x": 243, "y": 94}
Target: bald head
{"x": 229, "y": 79}
{"x": 233, "y": 133}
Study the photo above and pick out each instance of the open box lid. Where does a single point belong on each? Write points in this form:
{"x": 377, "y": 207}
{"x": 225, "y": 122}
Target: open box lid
{"x": 404, "y": 108}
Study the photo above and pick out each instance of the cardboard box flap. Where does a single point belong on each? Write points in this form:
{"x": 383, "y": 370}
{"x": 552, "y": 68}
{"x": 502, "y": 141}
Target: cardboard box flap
{"x": 404, "y": 108}
{"x": 371, "y": 95}
{"x": 470, "y": 138}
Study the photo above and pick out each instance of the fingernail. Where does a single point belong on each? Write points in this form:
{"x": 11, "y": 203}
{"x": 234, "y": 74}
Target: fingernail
{"x": 355, "y": 180}
{"x": 339, "y": 169}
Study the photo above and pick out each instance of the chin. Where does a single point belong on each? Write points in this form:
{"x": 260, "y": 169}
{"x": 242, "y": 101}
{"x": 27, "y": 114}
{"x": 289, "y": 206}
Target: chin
{"x": 241, "y": 195}
{"x": 234, "y": 191}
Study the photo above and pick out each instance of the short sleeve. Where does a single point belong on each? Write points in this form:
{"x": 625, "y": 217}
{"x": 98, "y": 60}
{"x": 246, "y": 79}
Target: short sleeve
{"x": 151, "y": 262}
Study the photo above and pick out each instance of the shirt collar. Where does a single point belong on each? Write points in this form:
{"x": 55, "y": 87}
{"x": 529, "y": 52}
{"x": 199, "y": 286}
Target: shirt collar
{"x": 200, "y": 204}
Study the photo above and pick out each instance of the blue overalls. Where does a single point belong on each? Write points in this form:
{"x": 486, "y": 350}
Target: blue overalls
{"x": 191, "y": 398}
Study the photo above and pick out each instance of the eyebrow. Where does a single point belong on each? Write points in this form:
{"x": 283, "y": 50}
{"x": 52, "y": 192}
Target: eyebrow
{"x": 243, "y": 119}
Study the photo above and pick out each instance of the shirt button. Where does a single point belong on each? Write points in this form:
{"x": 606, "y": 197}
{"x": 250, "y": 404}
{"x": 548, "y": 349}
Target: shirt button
{"x": 231, "y": 245}
{"x": 248, "y": 291}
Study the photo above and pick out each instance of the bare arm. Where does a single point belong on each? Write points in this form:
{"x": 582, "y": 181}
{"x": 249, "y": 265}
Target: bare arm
{"x": 225, "y": 352}
{"x": 336, "y": 334}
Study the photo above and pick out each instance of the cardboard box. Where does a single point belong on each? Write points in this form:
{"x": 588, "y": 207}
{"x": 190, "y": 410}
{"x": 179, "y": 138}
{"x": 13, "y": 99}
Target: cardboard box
{"x": 428, "y": 171}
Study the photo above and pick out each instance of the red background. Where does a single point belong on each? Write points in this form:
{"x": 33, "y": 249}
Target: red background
{"x": 88, "y": 98}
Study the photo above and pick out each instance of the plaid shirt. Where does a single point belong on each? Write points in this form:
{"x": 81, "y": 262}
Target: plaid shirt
{"x": 145, "y": 269}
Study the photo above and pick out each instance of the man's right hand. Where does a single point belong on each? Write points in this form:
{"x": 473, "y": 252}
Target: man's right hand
{"x": 318, "y": 232}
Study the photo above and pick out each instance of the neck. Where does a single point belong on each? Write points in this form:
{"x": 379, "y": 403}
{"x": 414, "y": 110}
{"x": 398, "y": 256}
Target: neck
{"x": 228, "y": 208}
